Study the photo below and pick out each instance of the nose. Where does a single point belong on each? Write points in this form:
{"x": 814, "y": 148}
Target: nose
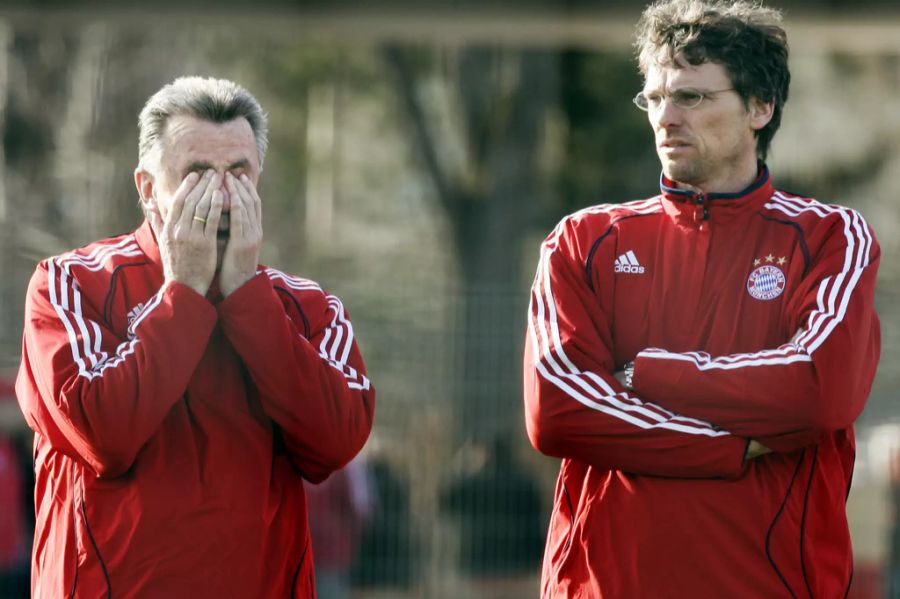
{"x": 667, "y": 114}
{"x": 223, "y": 189}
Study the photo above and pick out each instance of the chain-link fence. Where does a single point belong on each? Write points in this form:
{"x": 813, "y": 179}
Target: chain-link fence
{"x": 447, "y": 499}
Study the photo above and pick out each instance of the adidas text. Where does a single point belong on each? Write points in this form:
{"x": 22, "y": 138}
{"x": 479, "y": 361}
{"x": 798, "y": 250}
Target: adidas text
{"x": 628, "y": 268}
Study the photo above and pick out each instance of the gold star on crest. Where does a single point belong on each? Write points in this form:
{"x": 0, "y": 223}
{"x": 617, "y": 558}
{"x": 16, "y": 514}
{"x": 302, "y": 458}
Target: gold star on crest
{"x": 781, "y": 261}
{"x": 770, "y": 258}
{"x": 756, "y": 262}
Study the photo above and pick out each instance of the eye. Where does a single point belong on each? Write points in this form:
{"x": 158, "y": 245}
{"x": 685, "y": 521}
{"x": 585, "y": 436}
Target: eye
{"x": 653, "y": 98}
{"x": 687, "y": 97}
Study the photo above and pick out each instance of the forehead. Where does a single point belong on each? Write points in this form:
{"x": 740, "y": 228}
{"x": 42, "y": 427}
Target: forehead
{"x": 705, "y": 76}
{"x": 189, "y": 140}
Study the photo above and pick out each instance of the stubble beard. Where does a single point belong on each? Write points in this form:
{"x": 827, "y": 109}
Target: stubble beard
{"x": 688, "y": 172}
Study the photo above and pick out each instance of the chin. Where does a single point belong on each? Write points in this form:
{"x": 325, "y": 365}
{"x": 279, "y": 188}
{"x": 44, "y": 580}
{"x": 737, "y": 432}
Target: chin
{"x": 682, "y": 172}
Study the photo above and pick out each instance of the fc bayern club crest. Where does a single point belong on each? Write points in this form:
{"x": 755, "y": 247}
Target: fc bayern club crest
{"x": 766, "y": 282}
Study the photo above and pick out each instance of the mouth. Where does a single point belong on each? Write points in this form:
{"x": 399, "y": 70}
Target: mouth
{"x": 224, "y": 227}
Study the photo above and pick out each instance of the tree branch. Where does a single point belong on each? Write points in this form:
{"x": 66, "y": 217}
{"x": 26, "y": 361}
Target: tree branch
{"x": 398, "y": 63}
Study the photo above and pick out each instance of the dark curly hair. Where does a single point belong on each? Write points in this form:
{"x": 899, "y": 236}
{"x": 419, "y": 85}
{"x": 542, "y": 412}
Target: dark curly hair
{"x": 744, "y": 37}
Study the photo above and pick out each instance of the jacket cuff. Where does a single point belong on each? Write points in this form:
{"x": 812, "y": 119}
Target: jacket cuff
{"x": 183, "y": 300}
{"x": 254, "y": 304}
{"x": 250, "y": 293}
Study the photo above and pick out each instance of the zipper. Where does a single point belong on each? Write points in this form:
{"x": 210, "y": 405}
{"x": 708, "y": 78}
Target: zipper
{"x": 702, "y": 211}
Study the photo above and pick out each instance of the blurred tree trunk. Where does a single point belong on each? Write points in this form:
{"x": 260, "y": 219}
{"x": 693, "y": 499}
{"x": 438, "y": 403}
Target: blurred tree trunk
{"x": 62, "y": 167}
{"x": 491, "y": 203}
{"x": 35, "y": 84}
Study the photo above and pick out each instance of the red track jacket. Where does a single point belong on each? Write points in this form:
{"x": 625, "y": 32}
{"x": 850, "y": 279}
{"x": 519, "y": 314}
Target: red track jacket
{"x": 171, "y": 433}
{"x": 749, "y": 316}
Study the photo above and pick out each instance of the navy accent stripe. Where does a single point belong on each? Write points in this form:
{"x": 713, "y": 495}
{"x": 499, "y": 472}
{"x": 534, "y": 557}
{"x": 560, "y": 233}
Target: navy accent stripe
{"x": 800, "y": 237}
{"x": 571, "y": 516}
{"x": 812, "y": 471}
{"x": 297, "y": 571}
{"x": 850, "y": 478}
{"x": 299, "y": 309}
{"x": 87, "y": 526}
{"x": 673, "y": 190}
{"x": 761, "y": 178}
{"x": 279, "y": 446}
{"x": 74, "y": 582}
{"x": 74, "y": 525}
{"x": 849, "y": 582}
{"x": 787, "y": 494}
{"x": 590, "y": 259}
{"x": 107, "y": 303}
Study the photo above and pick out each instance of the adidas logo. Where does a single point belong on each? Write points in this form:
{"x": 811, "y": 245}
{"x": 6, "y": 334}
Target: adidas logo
{"x": 628, "y": 263}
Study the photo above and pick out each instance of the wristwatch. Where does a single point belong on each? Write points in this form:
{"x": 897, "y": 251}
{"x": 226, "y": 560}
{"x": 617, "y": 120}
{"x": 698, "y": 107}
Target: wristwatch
{"x": 629, "y": 376}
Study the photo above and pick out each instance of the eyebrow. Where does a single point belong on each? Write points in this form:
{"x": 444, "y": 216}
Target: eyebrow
{"x": 203, "y": 166}
{"x": 678, "y": 89}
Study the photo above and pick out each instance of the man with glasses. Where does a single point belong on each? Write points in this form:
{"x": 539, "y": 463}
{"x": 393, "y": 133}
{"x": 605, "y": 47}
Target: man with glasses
{"x": 698, "y": 358}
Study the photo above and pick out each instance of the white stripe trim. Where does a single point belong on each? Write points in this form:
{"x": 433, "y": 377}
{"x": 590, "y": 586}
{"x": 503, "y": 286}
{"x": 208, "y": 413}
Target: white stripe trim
{"x": 856, "y": 259}
{"x": 543, "y": 327}
{"x": 649, "y": 206}
{"x": 337, "y": 340}
{"x": 336, "y": 345}
{"x": 60, "y": 304}
{"x": 127, "y": 348}
{"x": 832, "y": 297}
{"x": 292, "y": 281}
{"x": 60, "y": 287}
{"x": 100, "y": 255}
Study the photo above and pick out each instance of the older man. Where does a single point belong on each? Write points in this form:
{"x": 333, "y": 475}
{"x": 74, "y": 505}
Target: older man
{"x": 178, "y": 390}
{"x": 698, "y": 358}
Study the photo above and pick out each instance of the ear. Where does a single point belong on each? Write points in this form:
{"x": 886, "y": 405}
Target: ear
{"x": 145, "y": 184}
{"x": 760, "y": 113}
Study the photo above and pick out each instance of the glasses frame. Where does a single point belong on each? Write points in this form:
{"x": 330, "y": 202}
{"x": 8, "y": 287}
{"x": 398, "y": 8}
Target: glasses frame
{"x": 640, "y": 99}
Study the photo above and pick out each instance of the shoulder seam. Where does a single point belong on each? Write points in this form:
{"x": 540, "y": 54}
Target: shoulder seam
{"x": 588, "y": 263}
{"x": 648, "y": 206}
{"x": 99, "y": 255}
{"x": 794, "y": 206}
{"x": 292, "y": 282}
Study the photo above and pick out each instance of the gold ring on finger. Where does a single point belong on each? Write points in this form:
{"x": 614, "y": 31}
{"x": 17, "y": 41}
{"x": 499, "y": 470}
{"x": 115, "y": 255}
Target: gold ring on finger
{"x": 199, "y": 219}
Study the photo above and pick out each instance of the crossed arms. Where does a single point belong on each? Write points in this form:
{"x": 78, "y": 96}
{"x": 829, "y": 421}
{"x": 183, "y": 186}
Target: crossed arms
{"x": 691, "y": 414}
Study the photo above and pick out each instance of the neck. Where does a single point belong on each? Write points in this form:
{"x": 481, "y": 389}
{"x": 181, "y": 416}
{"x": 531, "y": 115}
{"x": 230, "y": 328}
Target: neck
{"x": 736, "y": 180}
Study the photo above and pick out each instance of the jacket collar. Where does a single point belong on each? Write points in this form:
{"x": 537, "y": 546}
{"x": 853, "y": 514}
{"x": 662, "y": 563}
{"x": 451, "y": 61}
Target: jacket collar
{"x": 690, "y": 207}
{"x": 147, "y": 242}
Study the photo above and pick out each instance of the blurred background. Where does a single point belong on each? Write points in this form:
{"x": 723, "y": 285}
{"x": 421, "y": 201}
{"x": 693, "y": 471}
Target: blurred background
{"x": 419, "y": 153}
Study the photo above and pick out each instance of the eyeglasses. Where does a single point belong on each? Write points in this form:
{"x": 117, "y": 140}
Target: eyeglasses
{"x": 685, "y": 97}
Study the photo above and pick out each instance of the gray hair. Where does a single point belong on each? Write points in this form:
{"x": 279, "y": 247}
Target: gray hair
{"x": 213, "y": 100}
